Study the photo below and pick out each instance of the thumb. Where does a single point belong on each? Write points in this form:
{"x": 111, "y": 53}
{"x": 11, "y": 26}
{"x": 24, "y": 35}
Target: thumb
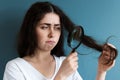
{"x": 73, "y": 54}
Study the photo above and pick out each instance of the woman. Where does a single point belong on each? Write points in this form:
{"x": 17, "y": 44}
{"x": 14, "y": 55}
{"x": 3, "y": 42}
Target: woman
{"x": 40, "y": 46}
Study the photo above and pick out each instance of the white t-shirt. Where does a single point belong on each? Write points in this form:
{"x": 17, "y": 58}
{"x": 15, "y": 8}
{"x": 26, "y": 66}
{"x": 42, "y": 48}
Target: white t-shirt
{"x": 20, "y": 69}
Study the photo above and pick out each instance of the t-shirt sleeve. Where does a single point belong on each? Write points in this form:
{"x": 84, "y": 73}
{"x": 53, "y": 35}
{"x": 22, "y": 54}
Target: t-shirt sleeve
{"x": 12, "y": 72}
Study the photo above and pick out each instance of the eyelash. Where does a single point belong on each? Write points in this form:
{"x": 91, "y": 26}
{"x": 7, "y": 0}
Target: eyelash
{"x": 58, "y": 28}
{"x": 44, "y": 27}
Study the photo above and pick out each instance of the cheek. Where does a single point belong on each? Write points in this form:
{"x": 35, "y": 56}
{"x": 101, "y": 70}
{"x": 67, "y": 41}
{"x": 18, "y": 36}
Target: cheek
{"x": 40, "y": 37}
{"x": 58, "y": 36}
{"x": 40, "y": 41}
{"x": 39, "y": 34}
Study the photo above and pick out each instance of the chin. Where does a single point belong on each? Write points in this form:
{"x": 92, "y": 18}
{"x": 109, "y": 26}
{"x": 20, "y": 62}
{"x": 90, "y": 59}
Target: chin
{"x": 50, "y": 49}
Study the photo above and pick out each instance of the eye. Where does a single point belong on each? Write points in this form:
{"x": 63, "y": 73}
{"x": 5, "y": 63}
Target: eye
{"x": 44, "y": 27}
{"x": 58, "y": 28}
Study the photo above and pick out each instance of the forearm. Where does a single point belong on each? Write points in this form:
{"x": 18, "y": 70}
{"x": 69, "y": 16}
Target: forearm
{"x": 101, "y": 75}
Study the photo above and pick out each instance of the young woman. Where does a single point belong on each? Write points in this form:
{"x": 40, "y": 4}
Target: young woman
{"x": 40, "y": 46}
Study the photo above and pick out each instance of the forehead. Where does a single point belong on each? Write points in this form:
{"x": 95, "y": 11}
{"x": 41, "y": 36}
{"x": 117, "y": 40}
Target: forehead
{"x": 50, "y": 18}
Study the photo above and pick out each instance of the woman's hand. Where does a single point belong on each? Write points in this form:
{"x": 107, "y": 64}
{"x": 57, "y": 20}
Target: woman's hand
{"x": 103, "y": 68}
{"x": 106, "y": 61}
{"x": 69, "y": 66}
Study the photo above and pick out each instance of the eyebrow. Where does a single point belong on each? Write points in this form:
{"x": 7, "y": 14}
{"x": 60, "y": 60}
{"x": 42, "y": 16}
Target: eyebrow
{"x": 50, "y": 24}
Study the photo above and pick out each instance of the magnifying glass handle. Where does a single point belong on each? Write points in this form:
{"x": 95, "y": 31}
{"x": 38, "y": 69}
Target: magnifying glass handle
{"x": 73, "y": 50}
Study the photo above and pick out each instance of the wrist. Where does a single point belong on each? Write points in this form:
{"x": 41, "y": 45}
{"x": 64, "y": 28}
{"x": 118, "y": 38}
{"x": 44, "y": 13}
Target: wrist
{"x": 102, "y": 72}
{"x": 101, "y": 75}
{"x": 59, "y": 77}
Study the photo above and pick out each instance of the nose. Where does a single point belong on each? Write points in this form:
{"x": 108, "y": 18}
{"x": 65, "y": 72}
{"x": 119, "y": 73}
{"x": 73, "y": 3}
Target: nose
{"x": 51, "y": 33}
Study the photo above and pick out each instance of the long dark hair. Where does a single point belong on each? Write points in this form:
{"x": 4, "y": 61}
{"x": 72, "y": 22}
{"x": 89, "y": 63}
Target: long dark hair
{"x": 27, "y": 40}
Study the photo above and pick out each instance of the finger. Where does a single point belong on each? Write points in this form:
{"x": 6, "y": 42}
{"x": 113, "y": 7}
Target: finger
{"x": 74, "y": 59}
{"x": 71, "y": 55}
{"x": 106, "y": 56}
{"x": 113, "y": 63}
{"x": 76, "y": 65}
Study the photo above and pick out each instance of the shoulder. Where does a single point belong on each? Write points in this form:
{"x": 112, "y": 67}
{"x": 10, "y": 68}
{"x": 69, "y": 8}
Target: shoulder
{"x": 12, "y": 70}
{"x": 13, "y": 63}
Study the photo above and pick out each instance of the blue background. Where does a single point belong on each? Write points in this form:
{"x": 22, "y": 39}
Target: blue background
{"x": 100, "y": 19}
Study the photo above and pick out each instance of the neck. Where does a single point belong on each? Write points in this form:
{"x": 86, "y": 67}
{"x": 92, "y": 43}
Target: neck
{"x": 40, "y": 56}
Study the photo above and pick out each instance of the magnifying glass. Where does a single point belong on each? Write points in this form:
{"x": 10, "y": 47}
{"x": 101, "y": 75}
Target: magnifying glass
{"x": 74, "y": 39}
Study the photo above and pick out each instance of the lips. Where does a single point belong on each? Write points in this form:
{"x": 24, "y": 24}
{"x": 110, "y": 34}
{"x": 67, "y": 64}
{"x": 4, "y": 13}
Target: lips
{"x": 50, "y": 42}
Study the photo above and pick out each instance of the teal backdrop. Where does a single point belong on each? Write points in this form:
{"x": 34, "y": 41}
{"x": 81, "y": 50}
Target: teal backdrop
{"x": 100, "y": 19}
